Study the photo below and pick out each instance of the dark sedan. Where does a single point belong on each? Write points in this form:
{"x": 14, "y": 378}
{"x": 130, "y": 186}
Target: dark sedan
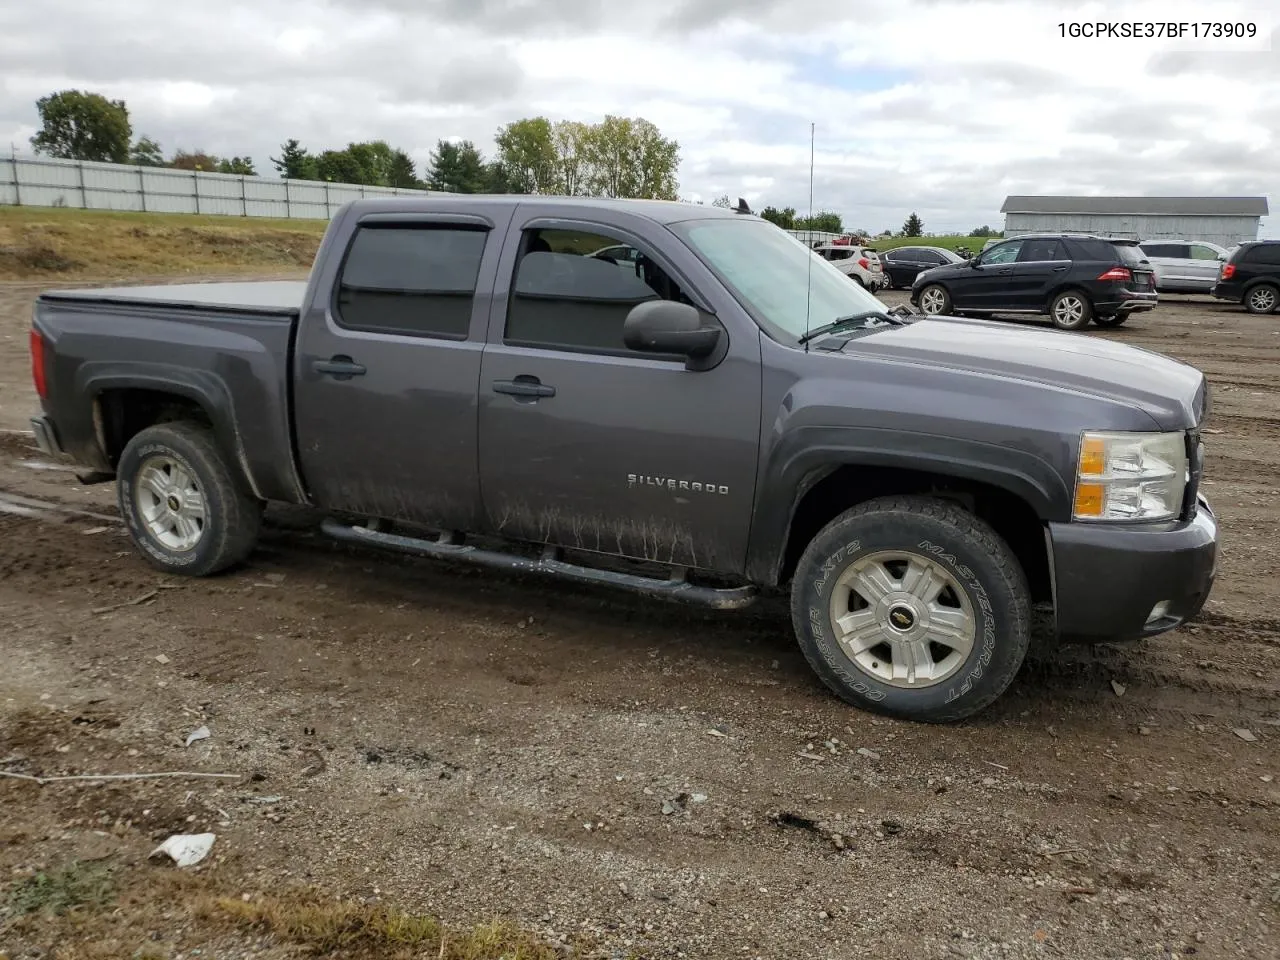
{"x": 903, "y": 264}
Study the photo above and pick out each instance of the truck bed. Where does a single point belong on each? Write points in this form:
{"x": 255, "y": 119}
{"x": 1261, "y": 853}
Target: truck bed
{"x": 274, "y": 297}
{"x": 225, "y": 346}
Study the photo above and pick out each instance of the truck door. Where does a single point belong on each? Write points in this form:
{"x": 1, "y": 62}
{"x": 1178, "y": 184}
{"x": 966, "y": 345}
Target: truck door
{"x": 585, "y": 444}
{"x": 386, "y": 368}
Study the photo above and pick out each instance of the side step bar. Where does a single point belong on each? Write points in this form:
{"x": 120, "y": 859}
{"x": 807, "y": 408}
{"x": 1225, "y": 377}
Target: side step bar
{"x": 446, "y": 546}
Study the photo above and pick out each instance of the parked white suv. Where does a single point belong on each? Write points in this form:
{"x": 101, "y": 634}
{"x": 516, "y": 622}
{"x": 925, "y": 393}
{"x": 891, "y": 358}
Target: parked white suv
{"x": 861, "y": 264}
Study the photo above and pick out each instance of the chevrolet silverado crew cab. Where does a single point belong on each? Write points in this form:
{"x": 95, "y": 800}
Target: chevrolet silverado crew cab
{"x": 711, "y": 412}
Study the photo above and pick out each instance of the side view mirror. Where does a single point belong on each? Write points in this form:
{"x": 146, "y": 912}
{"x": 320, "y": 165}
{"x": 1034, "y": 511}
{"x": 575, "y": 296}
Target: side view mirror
{"x": 974, "y": 263}
{"x": 664, "y": 326}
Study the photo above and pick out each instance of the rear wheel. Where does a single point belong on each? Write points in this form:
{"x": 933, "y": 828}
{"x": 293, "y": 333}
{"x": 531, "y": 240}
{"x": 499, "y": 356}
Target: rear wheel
{"x": 1262, "y": 299}
{"x": 1112, "y": 320}
{"x": 1071, "y": 310}
{"x": 912, "y": 607}
{"x": 934, "y": 300}
{"x": 186, "y": 510}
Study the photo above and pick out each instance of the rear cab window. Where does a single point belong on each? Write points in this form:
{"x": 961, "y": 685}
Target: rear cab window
{"x": 410, "y": 279}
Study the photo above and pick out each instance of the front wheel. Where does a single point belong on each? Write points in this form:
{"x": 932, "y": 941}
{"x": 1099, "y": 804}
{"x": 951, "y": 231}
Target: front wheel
{"x": 1071, "y": 310}
{"x": 186, "y": 510}
{"x": 912, "y": 607}
{"x": 1112, "y": 320}
{"x": 1262, "y": 299}
{"x": 935, "y": 301}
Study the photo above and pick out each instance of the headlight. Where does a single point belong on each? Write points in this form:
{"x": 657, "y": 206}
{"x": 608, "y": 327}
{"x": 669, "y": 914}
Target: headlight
{"x": 1130, "y": 476}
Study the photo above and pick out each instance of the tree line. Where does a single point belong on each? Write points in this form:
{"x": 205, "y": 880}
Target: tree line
{"x": 75, "y": 125}
{"x": 617, "y": 157}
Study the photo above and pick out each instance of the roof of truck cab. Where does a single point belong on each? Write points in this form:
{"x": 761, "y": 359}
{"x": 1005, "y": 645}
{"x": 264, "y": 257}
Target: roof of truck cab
{"x": 660, "y": 211}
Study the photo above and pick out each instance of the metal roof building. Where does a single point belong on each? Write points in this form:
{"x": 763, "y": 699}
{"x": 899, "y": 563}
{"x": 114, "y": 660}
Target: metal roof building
{"x": 1222, "y": 220}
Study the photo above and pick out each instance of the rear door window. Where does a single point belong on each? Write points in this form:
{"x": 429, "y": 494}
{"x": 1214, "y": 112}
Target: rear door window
{"x": 1200, "y": 252}
{"x": 412, "y": 280}
{"x": 1041, "y": 249}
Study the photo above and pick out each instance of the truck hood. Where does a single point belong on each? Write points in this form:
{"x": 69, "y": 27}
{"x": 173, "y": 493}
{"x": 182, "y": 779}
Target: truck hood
{"x": 1172, "y": 393}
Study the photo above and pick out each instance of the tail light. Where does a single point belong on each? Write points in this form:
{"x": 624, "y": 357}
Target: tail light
{"x": 864, "y": 263}
{"x": 1228, "y": 271}
{"x": 1117, "y": 274}
{"x": 37, "y": 364}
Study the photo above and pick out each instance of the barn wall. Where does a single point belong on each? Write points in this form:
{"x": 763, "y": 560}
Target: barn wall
{"x": 1224, "y": 231}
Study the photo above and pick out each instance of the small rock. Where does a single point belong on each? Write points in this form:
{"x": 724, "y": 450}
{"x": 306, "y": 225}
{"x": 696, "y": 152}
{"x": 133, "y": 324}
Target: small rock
{"x": 837, "y": 841}
{"x": 868, "y": 753}
{"x": 1246, "y": 735}
{"x": 275, "y": 577}
{"x": 647, "y": 792}
{"x": 988, "y": 781}
{"x": 1118, "y": 687}
{"x": 668, "y": 808}
{"x": 823, "y": 915}
{"x": 1144, "y": 731}
{"x": 699, "y": 798}
{"x": 808, "y": 756}
{"x": 161, "y": 658}
{"x": 713, "y": 732}
{"x": 1266, "y": 778}
{"x": 891, "y": 827}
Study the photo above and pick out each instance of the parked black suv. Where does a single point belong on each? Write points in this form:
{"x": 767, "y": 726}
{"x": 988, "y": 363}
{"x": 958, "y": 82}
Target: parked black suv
{"x": 1074, "y": 278}
{"x": 1251, "y": 276}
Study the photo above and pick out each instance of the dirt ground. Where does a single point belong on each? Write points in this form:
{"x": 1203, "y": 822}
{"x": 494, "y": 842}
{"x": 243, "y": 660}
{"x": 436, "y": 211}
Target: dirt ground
{"x": 620, "y": 774}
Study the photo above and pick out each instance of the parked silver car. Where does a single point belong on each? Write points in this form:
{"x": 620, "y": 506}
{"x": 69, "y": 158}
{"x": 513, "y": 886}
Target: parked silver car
{"x": 1184, "y": 266}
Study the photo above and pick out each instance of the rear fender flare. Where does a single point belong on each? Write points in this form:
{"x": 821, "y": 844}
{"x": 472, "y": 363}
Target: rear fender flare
{"x": 204, "y": 389}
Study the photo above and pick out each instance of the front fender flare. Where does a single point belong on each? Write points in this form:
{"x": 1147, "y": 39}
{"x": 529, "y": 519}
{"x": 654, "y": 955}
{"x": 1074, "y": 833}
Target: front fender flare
{"x": 812, "y": 453}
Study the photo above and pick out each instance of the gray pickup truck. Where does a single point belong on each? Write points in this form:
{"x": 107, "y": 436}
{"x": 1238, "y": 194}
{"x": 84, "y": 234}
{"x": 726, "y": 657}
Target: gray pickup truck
{"x": 675, "y": 399}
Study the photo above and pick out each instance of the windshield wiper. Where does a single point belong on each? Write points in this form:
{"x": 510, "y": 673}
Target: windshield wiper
{"x": 853, "y": 320}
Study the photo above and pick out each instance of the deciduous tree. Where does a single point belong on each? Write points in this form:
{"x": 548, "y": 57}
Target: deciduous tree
{"x": 527, "y": 153}
{"x": 785, "y": 218}
{"x": 75, "y": 125}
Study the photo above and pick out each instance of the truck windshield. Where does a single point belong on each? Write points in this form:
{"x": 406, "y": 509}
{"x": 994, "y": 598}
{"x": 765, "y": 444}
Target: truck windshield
{"x": 779, "y": 280}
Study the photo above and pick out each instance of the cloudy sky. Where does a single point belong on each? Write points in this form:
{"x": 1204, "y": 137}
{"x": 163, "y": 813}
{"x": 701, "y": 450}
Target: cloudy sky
{"x": 938, "y": 106}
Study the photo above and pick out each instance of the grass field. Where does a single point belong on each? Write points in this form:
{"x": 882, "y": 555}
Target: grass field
{"x": 39, "y": 243}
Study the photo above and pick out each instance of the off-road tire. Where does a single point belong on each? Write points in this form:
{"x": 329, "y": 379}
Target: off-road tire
{"x": 232, "y": 515}
{"x": 970, "y": 551}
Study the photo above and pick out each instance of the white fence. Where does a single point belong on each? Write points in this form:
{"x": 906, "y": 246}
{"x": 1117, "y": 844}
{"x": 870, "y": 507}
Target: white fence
{"x": 810, "y": 237}
{"x": 41, "y": 182}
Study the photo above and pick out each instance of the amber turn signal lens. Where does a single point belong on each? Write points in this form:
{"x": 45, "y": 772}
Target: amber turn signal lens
{"x": 1093, "y": 457}
{"x": 1090, "y": 499}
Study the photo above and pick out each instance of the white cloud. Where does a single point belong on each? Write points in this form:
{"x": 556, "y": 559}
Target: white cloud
{"x": 938, "y": 107}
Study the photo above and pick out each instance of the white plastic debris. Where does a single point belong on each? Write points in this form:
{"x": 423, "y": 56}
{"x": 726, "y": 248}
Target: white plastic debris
{"x": 186, "y": 849}
{"x": 200, "y": 733}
